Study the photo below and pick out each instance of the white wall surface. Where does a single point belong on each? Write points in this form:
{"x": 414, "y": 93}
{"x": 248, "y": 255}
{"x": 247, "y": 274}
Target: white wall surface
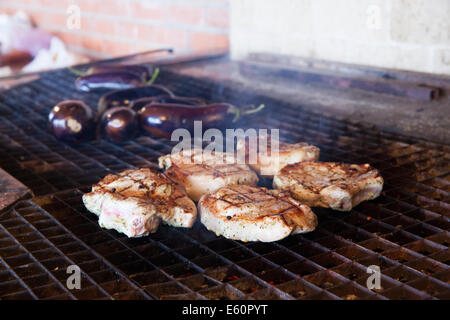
{"x": 400, "y": 34}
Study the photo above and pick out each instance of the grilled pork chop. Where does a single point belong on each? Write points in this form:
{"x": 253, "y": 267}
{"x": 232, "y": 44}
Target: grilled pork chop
{"x": 135, "y": 201}
{"x": 329, "y": 184}
{"x": 248, "y": 213}
{"x": 202, "y": 172}
{"x": 268, "y": 164}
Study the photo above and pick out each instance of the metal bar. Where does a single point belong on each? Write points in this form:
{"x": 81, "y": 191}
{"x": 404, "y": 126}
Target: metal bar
{"x": 409, "y": 221}
{"x": 391, "y": 87}
{"x": 96, "y": 254}
{"x": 39, "y": 263}
{"x": 28, "y": 289}
{"x": 131, "y": 56}
{"x": 118, "y": 59}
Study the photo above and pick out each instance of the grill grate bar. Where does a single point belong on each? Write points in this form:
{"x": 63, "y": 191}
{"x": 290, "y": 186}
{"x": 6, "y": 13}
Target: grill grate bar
{"x": 237, "y": 267}
{"x": 405, "y": 231}
{"x": 98, "y": 256}
{"x": 30, "y": 255}
{"x": 120, "y": 239}
{"x": 60, "y": 252}
{"x": 14, "y": 274}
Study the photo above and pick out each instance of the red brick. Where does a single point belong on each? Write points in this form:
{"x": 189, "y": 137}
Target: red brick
{"x": 146, "y": 32}
{"x": 224, "y": 2}
{"x": 89, "y": 6}
{"x": 87, "y": 24}
{"x": 104, "y": 26}
{"x": 173, "y": 37}
{"x": 23, "y": 2}
{"x": 91, "y": 43}
{"x": 202, "y": 41}
{"x": 53, "y": 4}
{"x": 163, "y": 35}
{"x": 144, "y": 47}
{"x": 55, "y": 19}
{"x": 149, "y": 11}
{"x": 117, "y": 8}
{"x": 70, "y": 38}
{"x": 126, "y": 30}
{"x": 6, "y": 10}
{"x": 116, "y": 48}
{"x": 217, "y": 18}
{"x": 168, "y": 15}
{"x": 189, "y": 15}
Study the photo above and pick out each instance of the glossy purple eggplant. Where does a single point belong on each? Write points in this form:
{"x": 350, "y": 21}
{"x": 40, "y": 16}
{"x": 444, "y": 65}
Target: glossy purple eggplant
{"x": 139, "y": 103}
{"x": 140, "y": 71}
{"x": 126, "y": 97}
{"x": 72, "y": 121}
{"x": 161, "y": 119}
{"x": 109, "y": 80}
{"x": 119, "y": 124}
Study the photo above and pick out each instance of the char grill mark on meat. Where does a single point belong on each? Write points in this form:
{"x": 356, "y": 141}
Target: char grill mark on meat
{"x": 205, "y": 172}
{"x": 135, "y": 201}
{"x": 249, "y": 213}
{"x": 269, "y": 164}
{"x": 338, "y": 186}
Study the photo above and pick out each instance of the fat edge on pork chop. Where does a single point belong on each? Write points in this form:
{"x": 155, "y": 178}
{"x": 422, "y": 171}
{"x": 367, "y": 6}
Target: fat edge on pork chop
{"x": 248, "y": 213}
{"x": 135, "y": 201}
{"x": 202, "y": 172}
{"x": 338, "y": 186}
{"x": 268, "y": 162}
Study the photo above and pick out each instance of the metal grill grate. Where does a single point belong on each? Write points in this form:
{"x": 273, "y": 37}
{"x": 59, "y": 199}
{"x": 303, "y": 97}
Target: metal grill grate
{"x": 405, "y": 231}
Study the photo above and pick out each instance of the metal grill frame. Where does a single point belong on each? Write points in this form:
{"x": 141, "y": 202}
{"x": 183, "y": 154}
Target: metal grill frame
{"x": 405, "y": 231}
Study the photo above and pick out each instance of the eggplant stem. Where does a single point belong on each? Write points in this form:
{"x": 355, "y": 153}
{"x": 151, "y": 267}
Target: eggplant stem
{"x": 255, "y": 110}
{"x": 77, "y": 72}
{"x": 154, "y": 76}
{"x": 237, "y": 114}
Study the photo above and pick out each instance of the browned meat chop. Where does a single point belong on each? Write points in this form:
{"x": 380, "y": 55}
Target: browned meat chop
{"x": 205, "y": 172}
{"x": 329, "y": 184}
{"x": 254, "y": 214}
{"x": 268, "y": 164}
{"x": 135, "y": 201}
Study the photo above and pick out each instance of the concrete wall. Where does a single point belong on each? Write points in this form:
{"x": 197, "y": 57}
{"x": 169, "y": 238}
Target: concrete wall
{"x": 400, "y": 34}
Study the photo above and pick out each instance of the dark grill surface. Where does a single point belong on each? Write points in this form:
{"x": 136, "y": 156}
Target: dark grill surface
{"x": 405, "y": 231}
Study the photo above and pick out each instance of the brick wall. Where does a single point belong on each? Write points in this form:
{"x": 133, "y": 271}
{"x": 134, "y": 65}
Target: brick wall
{"x": 119, "y": 27}
{"x": 401, "y": 34}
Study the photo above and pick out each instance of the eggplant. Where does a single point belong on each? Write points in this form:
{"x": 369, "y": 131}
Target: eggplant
{"x": 161, "y": 119}
{"x": 140, "y": 71}
{"x": 108, "y": 80}
{"x": 72, "y": 121}
{"x": 128, "y": 96}
{"x": 182, "y": 100}
{"x": 114, "y": 80}
{"x": 119, "y": 124}
{"x": 139, "y": 103}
